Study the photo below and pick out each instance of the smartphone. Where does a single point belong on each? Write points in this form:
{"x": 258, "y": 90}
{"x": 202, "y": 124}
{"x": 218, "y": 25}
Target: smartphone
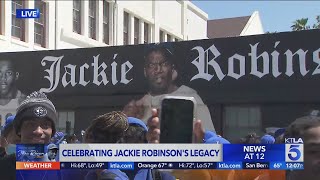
{"x": 177, "y": 115}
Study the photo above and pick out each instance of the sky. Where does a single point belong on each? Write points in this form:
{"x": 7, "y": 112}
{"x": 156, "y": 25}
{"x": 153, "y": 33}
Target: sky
{"x": 276, "y": 16}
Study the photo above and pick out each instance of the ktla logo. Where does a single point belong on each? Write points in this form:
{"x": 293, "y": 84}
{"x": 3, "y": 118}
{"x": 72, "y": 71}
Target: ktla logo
{"x": 294, "y": 150}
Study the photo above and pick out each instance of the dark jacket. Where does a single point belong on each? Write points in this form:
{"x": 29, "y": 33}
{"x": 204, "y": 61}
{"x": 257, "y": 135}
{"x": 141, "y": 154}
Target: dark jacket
{"x": 38, "y": 174}
{"x": 8, "y": 167}
{"x": 153, "y": 174}
{"x": 2, "y": 152}
{"x": 107, "y": 174}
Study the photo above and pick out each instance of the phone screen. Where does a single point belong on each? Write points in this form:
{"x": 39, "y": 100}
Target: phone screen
{"x": 176, "y": 123}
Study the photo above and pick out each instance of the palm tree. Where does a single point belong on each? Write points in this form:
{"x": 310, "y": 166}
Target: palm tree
{"x": 317, "y": 24}
{"x": 300, "y": 24}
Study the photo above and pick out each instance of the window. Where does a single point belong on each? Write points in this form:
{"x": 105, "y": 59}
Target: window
{"x": 168, "y": 38}
{"x": 63, "y": 118}
{"x": 18, "y": 25}
{"x": 92, "y": 19}
{"x": 77, "y": 16}
{"x": 125, "y": 28}
{"x": 243, "y": 120}
{"x": 106, "y": 27}
{"x": 40, "y": 24}
{"x": 146, "y": 33}
{"x": 136, "y": 31}
{"x": 161, "y": 36}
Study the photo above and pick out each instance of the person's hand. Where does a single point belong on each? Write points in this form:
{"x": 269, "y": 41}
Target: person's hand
{"x": 198, "y": 131}
{"x": 153, "y": 135}
{"x": 134, "y": 109}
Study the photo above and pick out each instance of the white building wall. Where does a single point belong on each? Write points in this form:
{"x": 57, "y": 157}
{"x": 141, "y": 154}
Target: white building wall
{"x": 254, "y": 25}
{"x": 142, "y": 9}
{"x": 51, "y": 25}
{"x": 196, "y": 23}
{"x": 64, "y": 22}
{"x": 170, "y": 13}
{"x": 176, "y": 18}
{"x": 66, "y": 38}
{"x": 11, "y": 44}
{"x": 119, "y": 25}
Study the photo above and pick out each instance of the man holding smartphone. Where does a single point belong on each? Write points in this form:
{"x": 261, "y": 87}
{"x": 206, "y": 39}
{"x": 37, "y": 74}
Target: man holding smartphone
{"x": 153, "y": 134}
{"x": 161, "y": 73}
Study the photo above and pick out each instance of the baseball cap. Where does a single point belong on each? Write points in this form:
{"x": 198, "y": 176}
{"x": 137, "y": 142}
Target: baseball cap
{"x": 52, "y": 146}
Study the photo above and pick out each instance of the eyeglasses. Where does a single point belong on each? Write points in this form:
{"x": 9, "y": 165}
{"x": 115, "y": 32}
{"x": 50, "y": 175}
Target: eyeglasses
{"x": 155, "y": 65}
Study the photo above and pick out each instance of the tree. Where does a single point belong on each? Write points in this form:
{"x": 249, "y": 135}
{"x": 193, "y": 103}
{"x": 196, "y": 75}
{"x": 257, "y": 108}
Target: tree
{"x": 300, "y": 24}
{"x": 317, "y": 24}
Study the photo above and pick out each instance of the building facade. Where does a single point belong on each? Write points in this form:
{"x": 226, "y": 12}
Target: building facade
{"x": 76, "y": 24}
{"x": 238, "y": 117}
{"x": 236, "y": 26}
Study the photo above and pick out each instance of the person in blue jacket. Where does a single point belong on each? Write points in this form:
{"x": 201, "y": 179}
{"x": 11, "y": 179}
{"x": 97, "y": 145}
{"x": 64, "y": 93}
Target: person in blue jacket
{"x": 9, "y": 139}
{"x": 107, "y": 128}
{"x": 34, "y": 123}
{"x": 137, "y": 133}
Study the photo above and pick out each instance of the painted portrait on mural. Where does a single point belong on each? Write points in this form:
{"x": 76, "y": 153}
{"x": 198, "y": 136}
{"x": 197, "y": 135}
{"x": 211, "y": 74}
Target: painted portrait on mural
{"x": 161, "y": 73}
{"x": 10, "y": 96}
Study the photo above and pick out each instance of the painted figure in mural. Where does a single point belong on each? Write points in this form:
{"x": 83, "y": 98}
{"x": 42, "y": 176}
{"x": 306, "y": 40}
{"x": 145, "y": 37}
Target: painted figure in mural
{"x": 161, "y": 73}
{"x": 10, "y": 96}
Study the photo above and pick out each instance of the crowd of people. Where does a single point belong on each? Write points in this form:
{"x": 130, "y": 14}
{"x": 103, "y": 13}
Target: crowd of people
{"x": 34, "y": 123}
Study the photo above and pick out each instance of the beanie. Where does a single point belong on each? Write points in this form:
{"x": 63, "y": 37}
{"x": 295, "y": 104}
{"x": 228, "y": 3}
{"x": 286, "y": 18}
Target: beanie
{"x": 36, "y": 105}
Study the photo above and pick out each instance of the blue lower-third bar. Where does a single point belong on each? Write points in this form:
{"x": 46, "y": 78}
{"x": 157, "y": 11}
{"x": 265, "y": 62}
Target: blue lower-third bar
{"x": 175, "y": 165}
{"x": 121, "y": 165}
{"x": 83, "y": 165}
{"x": 278, "y": 165}
{"x": 294, "y": 165}
{"x": 229, "y": 165}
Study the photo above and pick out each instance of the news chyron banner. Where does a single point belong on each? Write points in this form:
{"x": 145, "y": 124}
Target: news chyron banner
{"x": 164, "y": 156}
{"x": 183, "y": 156}
{"x": 287, "y": 156}
{"x": 140, "y": 156}
{"x": 34, "y": 157}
